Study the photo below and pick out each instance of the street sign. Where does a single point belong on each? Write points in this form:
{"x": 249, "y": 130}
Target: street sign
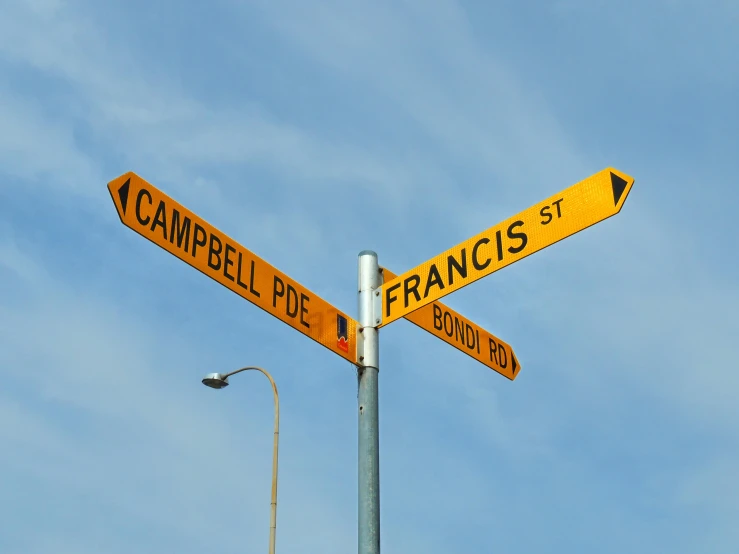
{"x": 598, "y": 197}
{"x": 157, "y": 217}
{"x": 462, "y": 334}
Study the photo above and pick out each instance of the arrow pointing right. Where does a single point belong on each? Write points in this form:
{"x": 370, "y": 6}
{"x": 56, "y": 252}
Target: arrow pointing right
{"x": 619, "y": 186}
{"x": 586, "y": 203}
{"x": 464, "y": 335}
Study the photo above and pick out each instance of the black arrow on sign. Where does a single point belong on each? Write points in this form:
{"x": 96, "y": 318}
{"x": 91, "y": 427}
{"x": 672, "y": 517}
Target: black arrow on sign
{"x": 123, "y": 194}
{"x": 619, "y": 186}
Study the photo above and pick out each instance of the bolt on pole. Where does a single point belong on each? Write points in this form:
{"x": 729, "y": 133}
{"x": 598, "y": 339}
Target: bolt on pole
{"x": 370, "y": 279}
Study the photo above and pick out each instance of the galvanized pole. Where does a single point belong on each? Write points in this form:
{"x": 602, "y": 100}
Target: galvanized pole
{"x": 369, "y": 443}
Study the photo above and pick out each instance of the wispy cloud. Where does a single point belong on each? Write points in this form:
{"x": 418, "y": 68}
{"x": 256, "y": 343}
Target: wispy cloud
{"x": 309, "y": 133}
{"x": 122, "y": 426}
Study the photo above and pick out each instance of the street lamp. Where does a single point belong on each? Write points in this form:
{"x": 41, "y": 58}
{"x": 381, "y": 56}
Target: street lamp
{"x": 219, "y": 381}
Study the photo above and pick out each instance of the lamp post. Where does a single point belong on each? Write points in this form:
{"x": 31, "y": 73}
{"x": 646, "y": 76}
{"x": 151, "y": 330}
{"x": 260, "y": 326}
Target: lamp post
{"x": 219, "y": 381}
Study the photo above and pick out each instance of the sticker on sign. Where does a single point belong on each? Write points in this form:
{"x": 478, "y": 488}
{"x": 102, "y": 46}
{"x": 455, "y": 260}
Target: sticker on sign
{"x": 586, "y": 203}
{"x": 157, "y": 217}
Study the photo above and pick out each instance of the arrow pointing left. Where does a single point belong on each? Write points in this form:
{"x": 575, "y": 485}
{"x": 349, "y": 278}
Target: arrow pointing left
{"x": 158, "y": 218}
{"x": 123, "y": 197}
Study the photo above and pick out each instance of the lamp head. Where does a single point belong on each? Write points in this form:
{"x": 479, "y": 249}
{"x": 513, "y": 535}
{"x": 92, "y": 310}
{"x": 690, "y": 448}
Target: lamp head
{"x": 215, "y": 381}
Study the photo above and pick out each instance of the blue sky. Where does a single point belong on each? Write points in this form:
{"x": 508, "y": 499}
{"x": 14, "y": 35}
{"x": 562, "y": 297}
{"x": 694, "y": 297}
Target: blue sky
{"x": 309, "y": 131}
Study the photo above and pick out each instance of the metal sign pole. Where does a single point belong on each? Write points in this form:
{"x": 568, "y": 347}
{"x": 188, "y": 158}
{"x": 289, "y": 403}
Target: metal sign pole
{"x": 369, "y": 444}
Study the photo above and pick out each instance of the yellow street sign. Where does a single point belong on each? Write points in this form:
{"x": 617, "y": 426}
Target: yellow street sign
{"x": 462, "y": 334}
{"x": 588, "y": 202}
{"x": 157, "y": 217}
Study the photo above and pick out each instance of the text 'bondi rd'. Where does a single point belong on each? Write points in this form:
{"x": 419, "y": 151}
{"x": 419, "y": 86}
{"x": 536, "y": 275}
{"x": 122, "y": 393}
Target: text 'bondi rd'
{"x": 464, "y": 335}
